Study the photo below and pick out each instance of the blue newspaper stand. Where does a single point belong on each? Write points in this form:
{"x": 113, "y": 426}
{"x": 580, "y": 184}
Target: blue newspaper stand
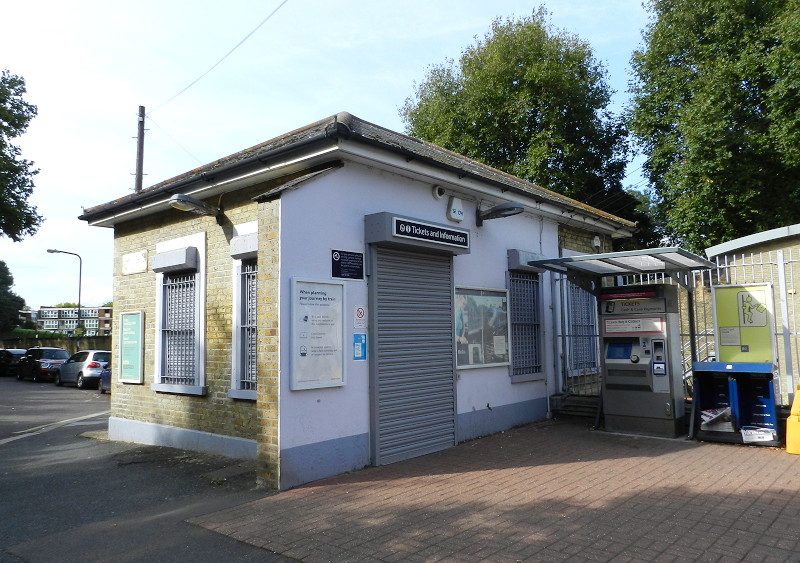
{"x": 734, "y": 403}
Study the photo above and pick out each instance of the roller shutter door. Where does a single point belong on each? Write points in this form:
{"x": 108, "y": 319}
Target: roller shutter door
{"x": 414, "y": 389}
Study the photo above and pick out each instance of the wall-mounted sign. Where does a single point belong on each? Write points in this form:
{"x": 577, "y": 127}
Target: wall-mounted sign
{"x": 406, "y": 228}
{"x": 360, "y": 317}
{"x": 481, "y": 327}
{"x": 317, "y": 356}
{"x": 347, "y": 265}
{"x": 131, "y": 348}
{"x": 134, "y": 262}
{"x": 744, "y": 323}
{"x": 359, "y": 347}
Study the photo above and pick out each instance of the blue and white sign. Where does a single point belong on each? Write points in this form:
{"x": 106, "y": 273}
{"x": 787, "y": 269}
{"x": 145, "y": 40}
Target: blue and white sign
{"x": 359, "y": 347}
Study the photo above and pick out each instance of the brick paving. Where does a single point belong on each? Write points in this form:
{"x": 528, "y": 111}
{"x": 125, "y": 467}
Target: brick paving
{"x": 552, "y": 491}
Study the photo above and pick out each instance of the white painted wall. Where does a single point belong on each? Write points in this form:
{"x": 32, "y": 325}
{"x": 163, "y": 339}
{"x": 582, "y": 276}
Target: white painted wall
{"x": 328, "y": 212}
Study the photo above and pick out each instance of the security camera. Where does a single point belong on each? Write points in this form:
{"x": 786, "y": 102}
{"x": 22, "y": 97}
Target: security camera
{"x": 438, "y": 192}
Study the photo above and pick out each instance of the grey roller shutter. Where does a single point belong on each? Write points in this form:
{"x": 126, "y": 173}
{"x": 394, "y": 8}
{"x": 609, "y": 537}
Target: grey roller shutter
{"x": 414, "y": 386}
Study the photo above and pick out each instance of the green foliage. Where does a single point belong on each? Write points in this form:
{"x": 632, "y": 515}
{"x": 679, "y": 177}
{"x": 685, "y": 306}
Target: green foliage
{"x": 532, "y": 102}
{"x": 10, "y": 302}
{"x": 17, "y": 217}
{"x": 717, "y": 112}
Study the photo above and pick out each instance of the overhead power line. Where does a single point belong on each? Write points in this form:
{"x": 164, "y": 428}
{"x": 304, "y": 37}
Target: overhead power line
{"x": 196, "y": 80}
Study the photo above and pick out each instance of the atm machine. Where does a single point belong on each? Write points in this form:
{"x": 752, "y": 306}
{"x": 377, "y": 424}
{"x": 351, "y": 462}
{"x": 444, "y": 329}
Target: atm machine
{"x": 641, "y": 360}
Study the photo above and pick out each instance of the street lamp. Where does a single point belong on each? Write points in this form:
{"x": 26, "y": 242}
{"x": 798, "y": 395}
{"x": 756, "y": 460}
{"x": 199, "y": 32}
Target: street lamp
{"x": 80, "y": 274}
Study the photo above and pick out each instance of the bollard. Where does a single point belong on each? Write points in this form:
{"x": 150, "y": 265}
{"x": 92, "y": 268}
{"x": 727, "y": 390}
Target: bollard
{"x": 793, "y": 425}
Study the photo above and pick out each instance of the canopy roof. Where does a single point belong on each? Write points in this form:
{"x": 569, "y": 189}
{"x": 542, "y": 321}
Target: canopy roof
{"x": 674, "y": 262}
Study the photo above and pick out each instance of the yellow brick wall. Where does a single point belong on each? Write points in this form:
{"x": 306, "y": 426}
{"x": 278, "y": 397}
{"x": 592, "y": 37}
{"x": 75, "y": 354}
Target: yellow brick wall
{"x": 578, "y": 240}
{"x": 268, "y": 343}
{"x": 214, "y": 412}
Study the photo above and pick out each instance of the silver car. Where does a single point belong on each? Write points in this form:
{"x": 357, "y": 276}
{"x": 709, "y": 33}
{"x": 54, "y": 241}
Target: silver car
{"x": 84, "y": 368}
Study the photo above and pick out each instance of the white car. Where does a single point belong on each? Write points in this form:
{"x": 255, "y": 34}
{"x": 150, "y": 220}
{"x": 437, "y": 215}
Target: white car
{"x": 83, "y": 368}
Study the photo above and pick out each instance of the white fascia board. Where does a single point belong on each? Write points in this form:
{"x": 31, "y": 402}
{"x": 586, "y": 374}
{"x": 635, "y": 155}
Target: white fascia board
{"x": 208, "y": 189}
{"x": 429, "y": 173}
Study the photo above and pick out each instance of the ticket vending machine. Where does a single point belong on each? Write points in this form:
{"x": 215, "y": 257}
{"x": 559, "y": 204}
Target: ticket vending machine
{"x": 641, "y": 351}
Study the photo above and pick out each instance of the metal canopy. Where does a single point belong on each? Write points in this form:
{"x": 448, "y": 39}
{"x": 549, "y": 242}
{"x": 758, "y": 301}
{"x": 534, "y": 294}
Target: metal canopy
{"x": 676, "y": 263}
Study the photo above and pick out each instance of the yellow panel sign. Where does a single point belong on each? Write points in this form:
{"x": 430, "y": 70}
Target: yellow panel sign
{"x": 744, "y": 323}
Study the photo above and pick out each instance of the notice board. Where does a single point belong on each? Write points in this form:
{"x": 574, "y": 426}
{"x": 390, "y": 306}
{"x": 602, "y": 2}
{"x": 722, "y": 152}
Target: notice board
{"x": 744, "y": 323}
{"x": 317, "y": 311}
{"x": 131, "y": 347}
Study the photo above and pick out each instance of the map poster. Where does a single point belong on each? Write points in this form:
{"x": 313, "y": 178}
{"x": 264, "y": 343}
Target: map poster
{"x": 744, "y": 323}
{"x": 317, "y": 356}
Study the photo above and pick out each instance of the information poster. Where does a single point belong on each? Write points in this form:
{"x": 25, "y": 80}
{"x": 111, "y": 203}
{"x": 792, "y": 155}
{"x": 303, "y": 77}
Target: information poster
{"x": 130, "y": 348}
{"x": 317, "y": 334}
{"x": 744, "y": 323}
{"x": 481, "y": 327}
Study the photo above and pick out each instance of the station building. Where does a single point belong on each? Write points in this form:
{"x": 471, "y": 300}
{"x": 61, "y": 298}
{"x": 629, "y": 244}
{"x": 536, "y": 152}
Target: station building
{"x": 337, "y": 297}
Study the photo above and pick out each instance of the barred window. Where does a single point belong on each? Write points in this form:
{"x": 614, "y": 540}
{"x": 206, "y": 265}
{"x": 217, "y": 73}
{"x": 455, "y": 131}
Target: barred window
{"x": 178, "y": 329}
{"x": 582, "y": 331}
{"x": 249, "y": 284}
{"x": 526, "y": 326}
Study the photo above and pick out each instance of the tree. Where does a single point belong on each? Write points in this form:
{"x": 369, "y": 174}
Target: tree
{"x": 717, "y": 113}
{"x": 17, "y": 217}
{"x": 532, "y": 102}
{"x": 10, "y": 303}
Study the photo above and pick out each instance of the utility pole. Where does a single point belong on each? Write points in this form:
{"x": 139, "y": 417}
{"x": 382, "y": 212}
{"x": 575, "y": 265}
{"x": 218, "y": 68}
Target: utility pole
{"x": 140, "y": 150}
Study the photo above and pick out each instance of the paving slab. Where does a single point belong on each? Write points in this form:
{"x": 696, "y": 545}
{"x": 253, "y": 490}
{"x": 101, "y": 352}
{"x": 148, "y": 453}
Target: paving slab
{"x": 551, "y": 491}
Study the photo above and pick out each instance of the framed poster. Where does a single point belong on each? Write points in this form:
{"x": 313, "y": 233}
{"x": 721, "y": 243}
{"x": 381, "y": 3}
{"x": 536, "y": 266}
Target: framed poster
{"x": 481, "y": 327}
{"x": 317, "y": 356}
{"x": 131, "y": 348}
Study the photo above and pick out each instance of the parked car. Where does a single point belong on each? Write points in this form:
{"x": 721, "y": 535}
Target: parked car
{"x": 9, "y": 360}
{"x": 105, "y": 381}
{"x": 83, "y": 368}
{"x": 40, "y": 363}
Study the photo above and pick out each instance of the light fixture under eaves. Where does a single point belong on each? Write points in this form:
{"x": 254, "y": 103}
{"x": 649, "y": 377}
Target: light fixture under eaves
{"x": 184, "y": 202}
{"x": 503, "y": 210}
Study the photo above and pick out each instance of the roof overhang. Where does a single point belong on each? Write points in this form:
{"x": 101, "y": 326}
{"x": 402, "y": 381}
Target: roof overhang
{"x": 345, "y": 137}
{"x": 675, "y": 263}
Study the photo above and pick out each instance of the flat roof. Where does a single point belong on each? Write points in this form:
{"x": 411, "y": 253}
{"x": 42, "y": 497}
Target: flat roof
{"x": 752, "y": 240}
{"x": 647, "y": 261}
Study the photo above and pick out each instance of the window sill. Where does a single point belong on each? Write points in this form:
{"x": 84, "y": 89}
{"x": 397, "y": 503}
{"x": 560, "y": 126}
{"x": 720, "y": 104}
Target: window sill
{"x": 242, "y": 394}
{"x": 525, "y": 377}
{"x": 178, "y": 389}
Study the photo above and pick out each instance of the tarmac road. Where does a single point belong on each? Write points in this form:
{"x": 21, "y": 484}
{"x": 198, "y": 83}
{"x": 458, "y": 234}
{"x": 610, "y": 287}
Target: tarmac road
{"x": 67, "y": 494}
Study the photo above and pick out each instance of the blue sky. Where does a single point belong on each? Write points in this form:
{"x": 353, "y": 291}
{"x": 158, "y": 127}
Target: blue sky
{"x": 89, "y": 65}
